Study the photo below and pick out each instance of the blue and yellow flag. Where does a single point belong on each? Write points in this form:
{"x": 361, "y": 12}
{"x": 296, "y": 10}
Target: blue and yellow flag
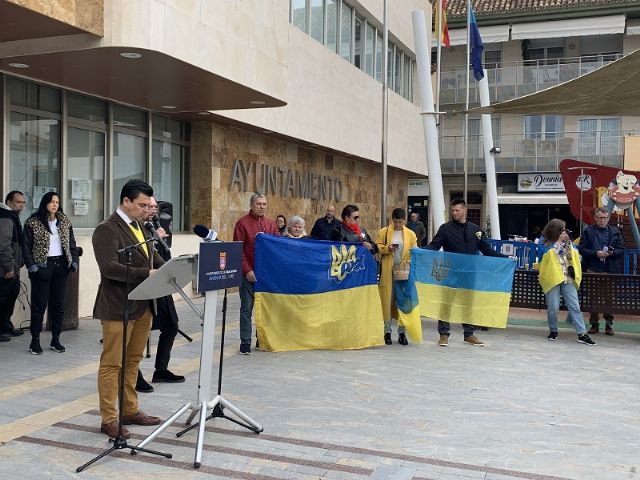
{"x": 462, "y": 288}
{"x": 313, "y": 294}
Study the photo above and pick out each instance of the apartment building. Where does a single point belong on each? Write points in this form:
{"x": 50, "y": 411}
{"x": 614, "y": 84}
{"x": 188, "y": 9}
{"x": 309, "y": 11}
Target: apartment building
{"x": 530, "y": 46}
{"x": 209, "y": 101}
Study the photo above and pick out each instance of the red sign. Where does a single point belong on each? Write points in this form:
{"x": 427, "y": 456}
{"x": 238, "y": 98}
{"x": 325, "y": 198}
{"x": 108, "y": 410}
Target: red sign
{"x": 589, "y": 186}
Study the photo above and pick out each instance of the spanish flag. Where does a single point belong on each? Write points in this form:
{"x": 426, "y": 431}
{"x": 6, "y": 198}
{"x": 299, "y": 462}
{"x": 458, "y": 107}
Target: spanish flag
{"x": 462, "y": 288}
{"x": 313, "y": 294}
{"x": 441, "y": 5}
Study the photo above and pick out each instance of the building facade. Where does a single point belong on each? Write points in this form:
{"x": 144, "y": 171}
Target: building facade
{"x": 530, "y": 46}
{"x": 209, "y": 101}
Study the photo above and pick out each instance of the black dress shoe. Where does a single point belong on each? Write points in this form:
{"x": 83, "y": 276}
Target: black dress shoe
{"x": 14, "y": 332}
{"x": 166, "y": 376}
{"x": 142, "y": 385}
{"x": 4, "y": 338}
{"x": 402, "y": 339}
{"x": 387, "y": 339}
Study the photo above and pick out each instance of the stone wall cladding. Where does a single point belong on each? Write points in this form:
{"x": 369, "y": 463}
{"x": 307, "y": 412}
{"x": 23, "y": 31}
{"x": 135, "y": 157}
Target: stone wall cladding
{"x": 216, "y": 148}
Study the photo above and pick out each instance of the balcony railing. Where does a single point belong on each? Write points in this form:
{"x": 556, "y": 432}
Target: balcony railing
{"x": 535, "y": 153}
{"x": 521, "y": 78}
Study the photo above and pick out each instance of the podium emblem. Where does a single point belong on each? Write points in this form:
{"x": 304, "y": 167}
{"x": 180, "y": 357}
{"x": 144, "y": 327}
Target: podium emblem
{"x": 223, "y": 260}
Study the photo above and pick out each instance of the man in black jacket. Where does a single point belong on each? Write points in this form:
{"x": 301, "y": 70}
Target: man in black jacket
{"x": 601, "y": 246}
{"x": 324, "y": 226}
{"x": 460, "y": 236}
{"x": 10, "y": 261}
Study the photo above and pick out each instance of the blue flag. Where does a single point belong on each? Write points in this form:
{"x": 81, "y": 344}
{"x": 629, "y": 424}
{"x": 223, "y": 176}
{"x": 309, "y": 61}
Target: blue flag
{"x": 476, "y": 47}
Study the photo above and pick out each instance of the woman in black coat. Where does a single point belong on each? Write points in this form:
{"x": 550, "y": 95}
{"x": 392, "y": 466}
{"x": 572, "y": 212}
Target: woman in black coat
{"x": 351, "y": 231}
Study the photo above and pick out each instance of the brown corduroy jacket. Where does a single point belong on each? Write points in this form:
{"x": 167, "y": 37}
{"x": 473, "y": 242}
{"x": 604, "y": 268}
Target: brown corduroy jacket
{"x": 110, "y": 236}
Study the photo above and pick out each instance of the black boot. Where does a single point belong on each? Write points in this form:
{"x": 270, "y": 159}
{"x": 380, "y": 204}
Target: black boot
{"x": 387, "y": 339}
{"x": 142, "y": 385}
{"x": 402, "y": 339}
{"x": 35, "y": 347}
{"x": 56, "y": 346}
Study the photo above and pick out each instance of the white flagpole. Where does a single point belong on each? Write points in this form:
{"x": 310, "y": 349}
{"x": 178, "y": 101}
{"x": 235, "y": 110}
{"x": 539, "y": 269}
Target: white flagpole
{"x": 439, "y": 57}
{"x": 466, "y": 115}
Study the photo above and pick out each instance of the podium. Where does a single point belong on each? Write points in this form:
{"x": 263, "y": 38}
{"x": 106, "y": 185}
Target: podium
{"x": 217, "y": 266}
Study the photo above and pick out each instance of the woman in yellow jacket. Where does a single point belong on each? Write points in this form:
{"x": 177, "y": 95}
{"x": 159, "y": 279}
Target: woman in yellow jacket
{"x": 394, "y": 243}
{"x": 560, "y": 273}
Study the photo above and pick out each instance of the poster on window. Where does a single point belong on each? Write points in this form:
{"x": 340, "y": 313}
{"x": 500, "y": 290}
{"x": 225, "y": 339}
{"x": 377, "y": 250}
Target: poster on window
{"x": 80, "y": 189}
{"x": 38, "y": 193}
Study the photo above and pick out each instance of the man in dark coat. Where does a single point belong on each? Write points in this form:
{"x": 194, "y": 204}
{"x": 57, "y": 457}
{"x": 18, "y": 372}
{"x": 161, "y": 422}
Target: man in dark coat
{"x": 11, "y": 260}
{"x": 122, "y": 229}
{"x": 165, "y": 319}
{"x": 324, "y": 226}
{"x": 601, "y": 246}
{"x": 417, "y": 227}
{"x": 460, "y": 236}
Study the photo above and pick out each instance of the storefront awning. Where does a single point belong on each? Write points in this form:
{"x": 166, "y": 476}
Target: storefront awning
{"x": 491, "y": 34}
{"x": 610, "y": 90}
{"x": 540, "y": 199}
{"x": 576, "y": 27}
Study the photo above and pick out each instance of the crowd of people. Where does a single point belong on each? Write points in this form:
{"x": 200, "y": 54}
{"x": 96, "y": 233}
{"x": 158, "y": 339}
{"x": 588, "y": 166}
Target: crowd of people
{"x": 46, "y": 246}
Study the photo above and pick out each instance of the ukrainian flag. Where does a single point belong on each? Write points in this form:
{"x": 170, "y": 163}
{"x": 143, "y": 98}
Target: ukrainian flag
{"x": 462, "y": 288}
{"x": 313, "y": 294}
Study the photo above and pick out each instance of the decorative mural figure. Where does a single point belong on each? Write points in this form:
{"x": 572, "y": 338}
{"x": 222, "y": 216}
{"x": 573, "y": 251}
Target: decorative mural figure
{"x": 622, "y": 193}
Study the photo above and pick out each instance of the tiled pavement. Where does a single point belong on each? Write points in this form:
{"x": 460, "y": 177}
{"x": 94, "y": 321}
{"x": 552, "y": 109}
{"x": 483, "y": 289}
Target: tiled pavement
{"x": 521, "y": 407}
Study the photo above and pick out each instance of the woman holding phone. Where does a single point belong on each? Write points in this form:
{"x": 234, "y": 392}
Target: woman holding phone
{"x": 394, "y": 243}
{"x": 561, "y": 273}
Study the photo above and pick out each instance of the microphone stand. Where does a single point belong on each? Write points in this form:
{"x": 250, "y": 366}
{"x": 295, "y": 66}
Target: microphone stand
{"x": 120, "y": 443}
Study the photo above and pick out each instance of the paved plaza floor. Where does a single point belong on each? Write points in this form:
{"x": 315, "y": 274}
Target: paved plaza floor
{"x": 520, "y": 408}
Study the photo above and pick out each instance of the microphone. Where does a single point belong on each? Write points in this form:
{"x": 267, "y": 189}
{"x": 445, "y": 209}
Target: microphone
{"x": 207, "y": 235}
{"x": 149, "y": 226}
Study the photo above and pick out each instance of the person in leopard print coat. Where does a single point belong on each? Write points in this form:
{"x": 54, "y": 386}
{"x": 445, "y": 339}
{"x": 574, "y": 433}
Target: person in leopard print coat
{"x": 50, "y": 253}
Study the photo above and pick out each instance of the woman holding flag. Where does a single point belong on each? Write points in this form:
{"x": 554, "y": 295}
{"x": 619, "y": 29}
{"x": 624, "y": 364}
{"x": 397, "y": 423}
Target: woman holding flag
{"x": 561, "y": 273}
{"x": 394, "y": 243}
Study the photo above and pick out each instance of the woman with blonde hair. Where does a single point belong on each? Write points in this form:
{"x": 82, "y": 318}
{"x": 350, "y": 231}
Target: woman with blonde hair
{"x": 394, "y": 243}
{"x": 561, "y": 273}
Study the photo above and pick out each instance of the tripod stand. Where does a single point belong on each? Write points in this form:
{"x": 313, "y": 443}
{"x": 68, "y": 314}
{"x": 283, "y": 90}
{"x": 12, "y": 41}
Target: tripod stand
{"x": 120, "y": 443}
{"x": 219, "y": 406}
{"x": 166, "y": 276}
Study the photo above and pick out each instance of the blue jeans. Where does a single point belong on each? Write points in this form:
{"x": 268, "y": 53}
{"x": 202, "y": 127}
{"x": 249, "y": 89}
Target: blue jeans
{"x": 444, "y": 328}
{"x": 570, "y": 295}
{"x": 247, "y": 297}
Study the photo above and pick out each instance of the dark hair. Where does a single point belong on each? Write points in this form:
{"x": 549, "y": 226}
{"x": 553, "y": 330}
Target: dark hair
{"x": 348, "y": 210}
{"x": 552, "y": 230}
{"x": 11, "y": 194}
{"x": 458, "y": 201}
{"x": 42, "y": 214}
{"x": 282, "y": 217}
{"x": 601, "y": 210}
{"x": 398, "y": 214}
{"x": 133, "y": 188}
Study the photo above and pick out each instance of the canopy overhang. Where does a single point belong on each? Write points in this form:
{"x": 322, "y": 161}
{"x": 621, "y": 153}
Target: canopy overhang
{"x": 575, "y": 27}
{"x": 610, "y": 90}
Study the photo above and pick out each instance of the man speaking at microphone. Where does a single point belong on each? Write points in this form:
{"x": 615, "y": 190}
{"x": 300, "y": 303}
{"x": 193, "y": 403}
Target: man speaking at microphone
{"x": 121, "y": 229}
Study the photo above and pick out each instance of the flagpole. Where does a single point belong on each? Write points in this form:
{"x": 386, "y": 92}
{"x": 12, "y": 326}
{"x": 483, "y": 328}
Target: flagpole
{"x": 466, "y": 115}
{"x": 439, "y": 57}
{"x": 385, "y": 113}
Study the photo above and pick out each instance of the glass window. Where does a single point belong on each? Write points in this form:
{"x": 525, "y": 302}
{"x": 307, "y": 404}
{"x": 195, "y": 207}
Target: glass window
{"x": 316, "y": 23}
{"x": 129, "y": 161}
{"x": 406, "y": 78}
{"x": 34, "y": 157}
{"x": 345, "y": 31}
{"x": 379, "y": 57}
{"x": 32, "y": 95}
{"x": 168, "y": 165}
{"x": 86, "y": 108}
{"x": 543, "y": 126}
{"x": 492, "y": 59}
{"x": 358, "y": 43}
{"x": 299, "y": 14}
{"x": 397, "y": 71}
{"x": 84, "y": 192}
{"x": 369, "y": 45}
{"x": 332, "y": 24}
{"x": 129, "y": 118}
{"x": 169, "y": 128}
{"x": 390, "y": 64}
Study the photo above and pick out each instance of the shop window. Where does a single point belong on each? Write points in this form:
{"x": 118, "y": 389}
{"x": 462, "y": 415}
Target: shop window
{"x": 33, "y": 96}
{"x": 129, "y": 161}
{"x": 86, "y": 108}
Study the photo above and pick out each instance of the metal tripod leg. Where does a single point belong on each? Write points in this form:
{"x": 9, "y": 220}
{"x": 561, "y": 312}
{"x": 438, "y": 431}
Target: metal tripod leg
{"x": 165, "y": 425}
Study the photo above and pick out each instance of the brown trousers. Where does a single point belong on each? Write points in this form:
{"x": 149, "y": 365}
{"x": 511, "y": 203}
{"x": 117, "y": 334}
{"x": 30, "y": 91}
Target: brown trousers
{"x": 111, "y": 360}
